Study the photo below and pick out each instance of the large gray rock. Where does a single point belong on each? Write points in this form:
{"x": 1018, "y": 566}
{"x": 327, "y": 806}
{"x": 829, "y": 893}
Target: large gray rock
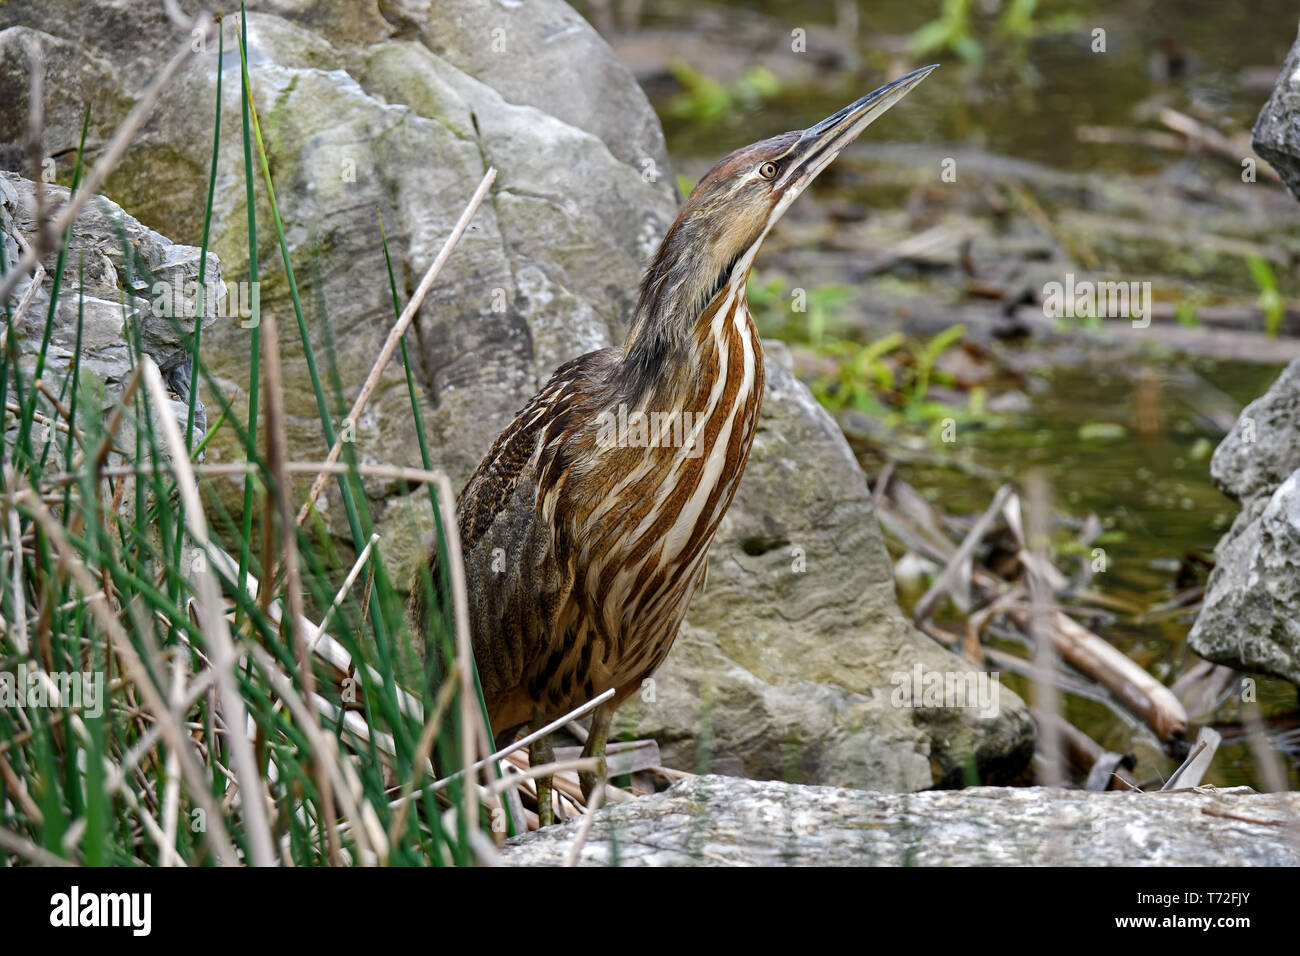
{"x": 129, "y": 283}
{"x": 1263, "y": 447}
{"x": 1276, "y": 136}
{"x": 399, "y": 107}
{"x": 1251, "y": 616}
{"x": 722, "y": 821}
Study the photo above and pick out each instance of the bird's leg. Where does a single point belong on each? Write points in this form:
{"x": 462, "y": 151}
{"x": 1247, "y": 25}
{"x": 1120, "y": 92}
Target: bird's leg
{"x": 538, "y": 754}
{"x": 595, "y": 747}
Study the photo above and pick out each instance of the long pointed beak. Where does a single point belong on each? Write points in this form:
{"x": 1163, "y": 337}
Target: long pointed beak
{"x": 822, "y": 143}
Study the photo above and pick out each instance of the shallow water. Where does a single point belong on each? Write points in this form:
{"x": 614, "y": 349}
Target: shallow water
{"x": 1156, "y": 500}
{"x": 1028, "y": 97}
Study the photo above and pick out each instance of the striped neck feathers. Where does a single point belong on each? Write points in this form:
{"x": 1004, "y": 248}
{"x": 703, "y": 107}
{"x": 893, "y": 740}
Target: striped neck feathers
{"x": 677, "y": 292}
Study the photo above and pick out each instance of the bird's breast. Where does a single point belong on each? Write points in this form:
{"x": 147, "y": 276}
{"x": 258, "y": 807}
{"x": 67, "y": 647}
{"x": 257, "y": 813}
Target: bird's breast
{"x": 680, "y": 457}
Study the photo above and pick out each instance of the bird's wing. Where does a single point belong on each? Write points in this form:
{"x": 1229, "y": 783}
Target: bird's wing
{"x": 516, "y": 562}
{"x": 532, "y": 446}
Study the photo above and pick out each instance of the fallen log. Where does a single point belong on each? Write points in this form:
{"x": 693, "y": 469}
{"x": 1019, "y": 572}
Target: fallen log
{"x": 1095, "y": 657}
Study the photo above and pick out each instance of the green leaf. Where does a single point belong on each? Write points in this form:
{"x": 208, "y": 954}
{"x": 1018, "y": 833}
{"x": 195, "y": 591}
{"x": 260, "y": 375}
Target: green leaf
{"x": 1101, "y": 431}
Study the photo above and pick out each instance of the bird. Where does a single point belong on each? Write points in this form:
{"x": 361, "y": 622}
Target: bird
{"x": 586, "y": 527}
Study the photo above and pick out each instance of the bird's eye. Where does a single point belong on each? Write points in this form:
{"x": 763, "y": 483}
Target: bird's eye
{"x": 767, "y": 170}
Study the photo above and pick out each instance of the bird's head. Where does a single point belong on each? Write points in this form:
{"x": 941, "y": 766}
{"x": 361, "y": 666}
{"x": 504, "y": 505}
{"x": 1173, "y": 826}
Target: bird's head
{"x": 723, "y": 222}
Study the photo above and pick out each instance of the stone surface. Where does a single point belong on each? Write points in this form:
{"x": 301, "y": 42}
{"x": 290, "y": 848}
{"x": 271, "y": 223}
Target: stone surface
{"x": 722, "y": 821}
{"x": 121, "y": 276}
{"x": 1276, "y": 136}
{"x": 1263, "y": 447}
{"x": 1251, "y": 616}
{"x": 398, "y": 107}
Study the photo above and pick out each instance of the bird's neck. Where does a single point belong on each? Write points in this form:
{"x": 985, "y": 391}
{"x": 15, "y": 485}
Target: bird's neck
{"x": 668, "y": 365}
{"x": 675, "y": 325}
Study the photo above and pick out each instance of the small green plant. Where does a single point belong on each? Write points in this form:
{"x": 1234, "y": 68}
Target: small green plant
{"x": 863, "y": 377}
{"x": 796, "y": 314}
{"x": 954, "y": 29}
{"x": 926, "y": 356}
{"x": 1271, "y": 302}
{"x": 822, "y": 303}
{"x": 950, "y": 31}
{"x": 890, "y": 379}
{"x": 1185, "y": 311}
{"x": 1017, "y": 20}
{"x": 704, "y": 99}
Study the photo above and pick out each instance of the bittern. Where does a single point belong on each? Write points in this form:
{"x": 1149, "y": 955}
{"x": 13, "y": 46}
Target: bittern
{"x": 586, "y": 528}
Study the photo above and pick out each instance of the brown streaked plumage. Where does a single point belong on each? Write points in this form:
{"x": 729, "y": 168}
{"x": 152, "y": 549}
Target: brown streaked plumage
{"x": 586, "y": 528}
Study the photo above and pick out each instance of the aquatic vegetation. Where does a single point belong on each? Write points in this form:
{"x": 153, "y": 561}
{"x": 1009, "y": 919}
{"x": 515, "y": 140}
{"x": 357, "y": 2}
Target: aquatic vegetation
{"x": 705, "y": 99}
{"x": 1271, "y": 301}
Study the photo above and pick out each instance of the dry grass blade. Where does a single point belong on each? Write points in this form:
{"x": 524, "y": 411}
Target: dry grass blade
{"x": 172, "y": 792}
{"x": 1050, "y": 743}
{"x": 322, "y": 644}
{"x": 176, "y": 736}
{"x": 469, "y": 711}
{"x": 21, "y": 846}
{"x": 541, "y": 770}
{"x": 535, "y": 735}
{"x": 18, "y": 630}
{"x": 584, "y": 828}
{"x": 335, "y": 770}
{"x": 1267, "y": 759}
{"x": 119, "y": 771}
{"x": 18, "y": 790}
{"x": 290, "y": 628}
{"x": 947, "y": 579}
{"x": 1193, "y": 769}
{"x": 37, "y": 278}
{"x": 346, "y": 586}
{"x": 215, "y": 627}
{"x": 399, "y": 329}
{"x": 423, "y": 748}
